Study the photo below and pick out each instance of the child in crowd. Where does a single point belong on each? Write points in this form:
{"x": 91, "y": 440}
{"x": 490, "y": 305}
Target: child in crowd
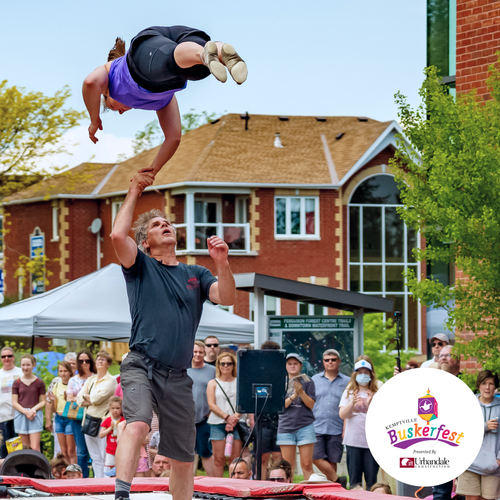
{"x": 382, "y": 488}
{"x": 58, "y": 465}
{"x": 28, "y": 399}
{"x": 73, "y": 471}
{"x": 109, "y": 430}
{"x": 143, "y": 467}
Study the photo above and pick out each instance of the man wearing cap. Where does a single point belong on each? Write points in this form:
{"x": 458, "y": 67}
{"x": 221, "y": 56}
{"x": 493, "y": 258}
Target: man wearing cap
{"x": 329, "y": 385}
{"x": 437, "y": 343}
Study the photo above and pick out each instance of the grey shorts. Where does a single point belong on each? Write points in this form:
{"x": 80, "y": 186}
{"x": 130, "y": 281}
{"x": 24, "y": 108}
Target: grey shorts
{"x": 148, "y": 386}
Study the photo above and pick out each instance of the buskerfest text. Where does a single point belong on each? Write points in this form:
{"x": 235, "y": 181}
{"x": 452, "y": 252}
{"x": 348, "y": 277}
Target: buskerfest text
{"x": 417, "y": 433}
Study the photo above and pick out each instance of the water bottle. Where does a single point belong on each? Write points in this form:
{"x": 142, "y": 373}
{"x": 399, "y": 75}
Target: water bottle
{"x": 228, "y": 450}
{"x": 495, "y": 431}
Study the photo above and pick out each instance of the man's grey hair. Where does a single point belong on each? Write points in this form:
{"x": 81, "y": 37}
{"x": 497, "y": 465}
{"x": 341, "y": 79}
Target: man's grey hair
{"x": 331, "y": 352}
{"x": 8, "y": 348}
{"x": 70, "y": 356}
{"x": 141, "y": 227}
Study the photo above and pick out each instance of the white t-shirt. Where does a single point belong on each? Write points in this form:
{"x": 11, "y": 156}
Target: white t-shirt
{"x": 6, "y": 380}
{"x": 354, "y": 434}
{"x": 427, "y": 363}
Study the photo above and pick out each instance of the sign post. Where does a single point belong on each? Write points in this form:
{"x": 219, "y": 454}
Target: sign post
{"x": 37, "y": 250}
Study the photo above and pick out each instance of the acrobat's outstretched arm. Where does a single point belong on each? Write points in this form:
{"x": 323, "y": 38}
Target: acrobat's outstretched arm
{"x": 94, "y": 86}
{"x": 170, "y": 123}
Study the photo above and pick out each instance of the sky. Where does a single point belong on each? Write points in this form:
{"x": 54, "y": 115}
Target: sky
{"x": 317, "y": 57}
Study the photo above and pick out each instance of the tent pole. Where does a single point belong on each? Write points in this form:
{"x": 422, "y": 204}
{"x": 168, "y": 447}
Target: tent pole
{"x": 32, "y": 344}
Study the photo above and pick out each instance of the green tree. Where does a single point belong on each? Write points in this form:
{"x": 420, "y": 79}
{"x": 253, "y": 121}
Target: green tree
{"x": 449, "y": 178}
{"x": 152, "y": 136}
{"x": 31, "y": 127}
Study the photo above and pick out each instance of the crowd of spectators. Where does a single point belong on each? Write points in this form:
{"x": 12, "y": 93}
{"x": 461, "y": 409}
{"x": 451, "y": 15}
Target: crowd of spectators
{"x": 323, "y": 415}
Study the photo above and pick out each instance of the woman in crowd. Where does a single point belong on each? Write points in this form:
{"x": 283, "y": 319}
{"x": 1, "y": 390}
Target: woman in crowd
{"x": 86, "y": 368}
{"x": 28, "y": 399}
{"x": 281, "y": 472}
{"x": 482, "y": 478}
{"x": 221, "y": 396}
{"x": 64, "y": 429}
{"x": 382, "y": 488}
{"x": 353, "y": 407}
{"x": 94, "y": 396}
{"x": 296, "y": 423}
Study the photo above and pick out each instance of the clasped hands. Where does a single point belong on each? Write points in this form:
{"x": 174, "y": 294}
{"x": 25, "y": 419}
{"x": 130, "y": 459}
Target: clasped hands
{"x": 143, "y": 178}
{"x": 231, "y": 420}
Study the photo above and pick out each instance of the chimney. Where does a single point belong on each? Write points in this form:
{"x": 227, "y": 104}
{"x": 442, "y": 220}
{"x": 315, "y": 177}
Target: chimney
{"x": 277, "y": 141}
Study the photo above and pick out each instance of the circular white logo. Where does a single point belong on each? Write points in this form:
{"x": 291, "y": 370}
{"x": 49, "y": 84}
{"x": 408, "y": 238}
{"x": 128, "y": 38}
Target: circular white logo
{"x": 424, "y": 427}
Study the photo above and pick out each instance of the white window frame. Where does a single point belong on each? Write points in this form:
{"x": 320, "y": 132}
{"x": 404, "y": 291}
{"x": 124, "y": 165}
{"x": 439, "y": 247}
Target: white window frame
{"x": 252, "y": 307}
{"x": 405, "y": 293}
{"x": 288, "y": 219}
{"x": 217, "y": 201}
{"x": 241, "y": 206}
{"x": 55, "y": 223}
{"x": 115, "y": 208}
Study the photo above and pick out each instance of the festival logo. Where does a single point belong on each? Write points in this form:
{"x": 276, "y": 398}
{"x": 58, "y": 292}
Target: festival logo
{"x": 433, "y": 431}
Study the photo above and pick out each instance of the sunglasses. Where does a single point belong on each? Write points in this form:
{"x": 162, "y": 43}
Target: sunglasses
{"x": 7, "y": 356}
{"x": 212, "y": 345}
{"x": 84, "y": 361}
{"x": 330, "y": 360}
{"x": 437, "y": 344}
{"x": 227, "y": 364}
{"x": 277, "y": 479}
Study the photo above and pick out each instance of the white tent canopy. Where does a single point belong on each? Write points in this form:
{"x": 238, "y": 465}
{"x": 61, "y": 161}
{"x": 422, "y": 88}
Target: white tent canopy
{"x": 95, "y": 307}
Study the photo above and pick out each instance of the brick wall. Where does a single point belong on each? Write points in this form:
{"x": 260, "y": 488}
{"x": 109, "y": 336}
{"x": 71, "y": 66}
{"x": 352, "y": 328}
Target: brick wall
{"x": 478, "y": 38}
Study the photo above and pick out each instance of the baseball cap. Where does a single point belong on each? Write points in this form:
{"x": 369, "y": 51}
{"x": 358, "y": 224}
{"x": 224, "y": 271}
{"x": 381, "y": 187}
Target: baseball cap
{"x": 73, "y": 468}
{"x": 331, "y": 352}
{"x": 296, "y": 356}
{"x": 362, "y": 364}
{"x": 440, "y": 336}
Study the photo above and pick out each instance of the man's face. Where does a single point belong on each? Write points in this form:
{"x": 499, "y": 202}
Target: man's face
{"x": 198, "y": 354}
{"x": 241, "y": 471}
{"x": 8, "y": 359}
{"x": 212, "y": 348}
{"x": 331, "y": 362}
{"x": 160, "y": 232}
{"x": 446, "y": 361}
{"x": 436, "y": 346}
{"x": 278, "y": 475}
{"x": 161, "y": 464}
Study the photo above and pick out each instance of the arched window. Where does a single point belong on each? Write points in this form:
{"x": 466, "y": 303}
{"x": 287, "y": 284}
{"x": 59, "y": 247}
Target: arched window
{"x": 380, "y": 248}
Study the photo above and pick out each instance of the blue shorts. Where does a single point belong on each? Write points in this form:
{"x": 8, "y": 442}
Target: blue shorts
{"x": 306, "y": 435}
{"x": 218, "y": 432}
{"x": 23, "y": 425}
{"x": 63, "y": 425}
{"x": 203, "y": 447}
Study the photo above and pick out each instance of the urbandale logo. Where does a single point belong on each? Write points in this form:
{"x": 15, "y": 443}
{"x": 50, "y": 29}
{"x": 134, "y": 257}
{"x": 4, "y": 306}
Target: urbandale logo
{"x": 406, "y": 463}
{"x": 428, "y": 411}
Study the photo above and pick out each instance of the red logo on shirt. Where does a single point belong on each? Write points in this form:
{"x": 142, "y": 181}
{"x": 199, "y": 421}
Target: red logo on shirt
{"x": 193, "y": 283}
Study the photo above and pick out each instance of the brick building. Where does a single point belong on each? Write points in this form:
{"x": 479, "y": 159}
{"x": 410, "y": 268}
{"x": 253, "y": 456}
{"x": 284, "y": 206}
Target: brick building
{"x": 304, "y": 198}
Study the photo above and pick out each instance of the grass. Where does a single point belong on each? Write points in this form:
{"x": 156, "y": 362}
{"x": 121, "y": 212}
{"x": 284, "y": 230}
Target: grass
{"x": 114, "y": 369}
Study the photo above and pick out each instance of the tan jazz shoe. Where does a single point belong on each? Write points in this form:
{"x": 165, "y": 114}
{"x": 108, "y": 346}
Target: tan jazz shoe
{"x": 210, "y": 59}
{"x": 234, "y": 63}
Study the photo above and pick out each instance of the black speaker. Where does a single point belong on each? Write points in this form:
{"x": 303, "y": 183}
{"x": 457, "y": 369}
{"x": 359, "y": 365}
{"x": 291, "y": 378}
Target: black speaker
{"x": 261, "y": 375}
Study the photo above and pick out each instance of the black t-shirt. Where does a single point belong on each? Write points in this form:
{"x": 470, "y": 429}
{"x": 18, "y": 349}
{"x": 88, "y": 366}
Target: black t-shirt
{"x": 211, "y": 363}
{"x": 166, "y": 303}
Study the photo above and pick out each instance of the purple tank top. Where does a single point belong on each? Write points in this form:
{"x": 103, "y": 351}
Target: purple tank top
{"x": 125, "y": 90}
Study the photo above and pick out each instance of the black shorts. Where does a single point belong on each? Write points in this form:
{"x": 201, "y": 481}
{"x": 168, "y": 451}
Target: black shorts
{"x": 169, "y": 393}
{"x": 203, "y": 444}
{"x": 151, "y": 62}
{"x": 328, "y": 447}
{"x": 269, "y": 435}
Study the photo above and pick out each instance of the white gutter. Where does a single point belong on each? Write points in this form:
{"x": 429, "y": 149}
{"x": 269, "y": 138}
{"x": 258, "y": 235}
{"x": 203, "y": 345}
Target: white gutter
{"x": 172, "y": 186}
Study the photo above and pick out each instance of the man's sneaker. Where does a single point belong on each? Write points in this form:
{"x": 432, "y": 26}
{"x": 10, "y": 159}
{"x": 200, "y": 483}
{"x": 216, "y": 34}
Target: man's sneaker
{"x": 234, "y": 63}
{"x": 342, "y": 480}
{"x": 210, "y": 59}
